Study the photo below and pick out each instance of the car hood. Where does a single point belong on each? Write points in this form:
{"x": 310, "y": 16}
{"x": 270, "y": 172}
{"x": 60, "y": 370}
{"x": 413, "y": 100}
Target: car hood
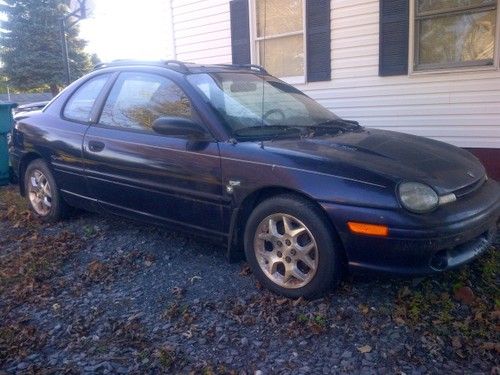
{"x": 379, "y": 153}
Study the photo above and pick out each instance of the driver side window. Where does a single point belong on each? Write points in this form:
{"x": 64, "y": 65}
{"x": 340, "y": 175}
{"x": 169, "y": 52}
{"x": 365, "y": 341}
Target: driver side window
{"x": 138, "y": 99}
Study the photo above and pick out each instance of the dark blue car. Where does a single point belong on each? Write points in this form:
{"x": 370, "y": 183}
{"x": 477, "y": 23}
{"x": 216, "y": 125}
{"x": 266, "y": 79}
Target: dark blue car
{"x": 239, "y": 156}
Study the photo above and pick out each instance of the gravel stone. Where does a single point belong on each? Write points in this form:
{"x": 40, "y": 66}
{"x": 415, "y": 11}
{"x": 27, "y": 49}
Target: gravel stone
{"x": 137, "y": 298}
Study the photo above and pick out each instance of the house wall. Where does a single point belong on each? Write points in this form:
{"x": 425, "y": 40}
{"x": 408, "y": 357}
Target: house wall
{"x": 462, "y": 108}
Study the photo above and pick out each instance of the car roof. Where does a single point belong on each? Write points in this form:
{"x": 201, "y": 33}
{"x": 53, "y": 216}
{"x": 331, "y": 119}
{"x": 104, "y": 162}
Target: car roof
{"x": 185, "y": 67}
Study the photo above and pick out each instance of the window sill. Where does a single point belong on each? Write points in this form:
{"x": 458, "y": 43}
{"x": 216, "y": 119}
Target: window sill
{"x": 465, "y": 69}
{"x": 294, "y": 80}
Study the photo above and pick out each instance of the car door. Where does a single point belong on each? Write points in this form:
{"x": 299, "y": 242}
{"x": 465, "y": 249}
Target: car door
{"x": 134, "y": 171}
{"x": 65, "y": 129}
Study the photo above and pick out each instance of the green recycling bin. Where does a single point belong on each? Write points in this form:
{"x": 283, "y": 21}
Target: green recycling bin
{"x": 6, "y": 122}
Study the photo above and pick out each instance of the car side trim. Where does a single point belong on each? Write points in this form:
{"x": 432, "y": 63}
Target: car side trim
{"x": 304, "y": 170}
{"x": 67, "y": 168}
{"x": 79, "y": 195}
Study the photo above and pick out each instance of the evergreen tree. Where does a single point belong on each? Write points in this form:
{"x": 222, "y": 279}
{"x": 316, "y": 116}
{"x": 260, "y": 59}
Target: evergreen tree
{"x": 31, "y": 47}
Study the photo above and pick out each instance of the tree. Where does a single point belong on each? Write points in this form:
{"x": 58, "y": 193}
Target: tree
{"x": 94, "y": 59}
{"x": 31, "y": 48}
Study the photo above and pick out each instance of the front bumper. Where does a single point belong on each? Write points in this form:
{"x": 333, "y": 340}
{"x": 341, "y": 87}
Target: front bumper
{"x": 421, "y": 244}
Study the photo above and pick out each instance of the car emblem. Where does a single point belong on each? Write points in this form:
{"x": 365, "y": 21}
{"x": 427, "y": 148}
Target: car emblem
{"x": 471, "y": 175}
{"x": 232, "y": 184}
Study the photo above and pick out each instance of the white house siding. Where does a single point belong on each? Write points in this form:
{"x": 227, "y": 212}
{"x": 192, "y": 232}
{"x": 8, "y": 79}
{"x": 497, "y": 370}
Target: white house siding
{"x": 202, "y": 31}
{"x": 462, "y": 108}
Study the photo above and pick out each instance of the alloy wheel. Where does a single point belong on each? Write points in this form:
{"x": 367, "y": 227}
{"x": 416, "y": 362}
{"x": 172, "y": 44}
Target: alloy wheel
{"x": 286, "y": 251}
{"x": 40, "y": 193}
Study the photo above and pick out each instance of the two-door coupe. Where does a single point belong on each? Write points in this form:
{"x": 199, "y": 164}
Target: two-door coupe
{"x": 235, "y": 154}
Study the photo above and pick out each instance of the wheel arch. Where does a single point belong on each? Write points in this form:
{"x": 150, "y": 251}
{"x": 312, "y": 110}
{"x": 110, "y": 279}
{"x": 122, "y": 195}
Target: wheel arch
{"x": 242, "y": 212}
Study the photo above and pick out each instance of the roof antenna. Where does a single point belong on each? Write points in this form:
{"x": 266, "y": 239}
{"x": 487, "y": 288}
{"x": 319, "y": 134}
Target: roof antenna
{"x": 262, "y": 63}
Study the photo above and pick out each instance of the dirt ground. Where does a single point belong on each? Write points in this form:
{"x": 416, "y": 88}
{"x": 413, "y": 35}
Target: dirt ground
{"x": 96, "y": 294}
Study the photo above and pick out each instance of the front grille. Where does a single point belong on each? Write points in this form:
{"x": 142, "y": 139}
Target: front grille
{"x": 470, "y": 188}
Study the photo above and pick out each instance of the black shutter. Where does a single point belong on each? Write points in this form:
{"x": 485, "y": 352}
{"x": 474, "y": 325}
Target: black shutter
{"x": 318, "y": 40}
{"x": 394, "y": 29}
{"x": 240, "y": 32}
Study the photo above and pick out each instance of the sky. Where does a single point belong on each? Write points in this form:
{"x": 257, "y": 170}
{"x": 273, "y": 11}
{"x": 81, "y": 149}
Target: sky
{"x": 121, "y": 29}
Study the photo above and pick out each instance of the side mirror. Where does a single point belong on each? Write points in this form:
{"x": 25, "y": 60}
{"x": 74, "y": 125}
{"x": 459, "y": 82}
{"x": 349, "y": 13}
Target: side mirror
{"x": 178, "y": 126}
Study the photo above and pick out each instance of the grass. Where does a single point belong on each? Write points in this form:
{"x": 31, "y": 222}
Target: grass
{"x": 434, "y": 306}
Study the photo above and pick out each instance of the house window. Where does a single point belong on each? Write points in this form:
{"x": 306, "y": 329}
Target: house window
{"x": 278, "y": 33}
{"x": 454, "y": 33}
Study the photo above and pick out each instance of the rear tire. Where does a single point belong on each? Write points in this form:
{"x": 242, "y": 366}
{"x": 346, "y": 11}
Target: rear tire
{"x": 43, "y": 193}
{"x": 290, "y": 248}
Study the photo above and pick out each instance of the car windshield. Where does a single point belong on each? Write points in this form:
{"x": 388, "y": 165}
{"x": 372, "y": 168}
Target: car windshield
{"x": 256, "y": 106}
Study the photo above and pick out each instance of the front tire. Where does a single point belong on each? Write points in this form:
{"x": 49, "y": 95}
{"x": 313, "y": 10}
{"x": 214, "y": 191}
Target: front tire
{"x": 42, "y": 192}
{"x": 291, "y": 249}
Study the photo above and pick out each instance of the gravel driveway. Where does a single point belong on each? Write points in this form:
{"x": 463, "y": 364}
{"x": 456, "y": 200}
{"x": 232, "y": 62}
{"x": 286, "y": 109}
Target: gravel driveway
{"x": 106, "y": 295}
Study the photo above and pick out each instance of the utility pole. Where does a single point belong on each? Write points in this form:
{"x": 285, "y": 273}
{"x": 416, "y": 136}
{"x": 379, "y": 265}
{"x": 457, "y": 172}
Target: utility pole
{"x": 64, "y": 44}
{"x": 69, "y": 19}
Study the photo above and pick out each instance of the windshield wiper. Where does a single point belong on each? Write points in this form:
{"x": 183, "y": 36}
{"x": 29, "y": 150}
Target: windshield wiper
{"x": 266, "y": 131}
{"x": 347, "y": 123}
{"x": 334, "y": 125}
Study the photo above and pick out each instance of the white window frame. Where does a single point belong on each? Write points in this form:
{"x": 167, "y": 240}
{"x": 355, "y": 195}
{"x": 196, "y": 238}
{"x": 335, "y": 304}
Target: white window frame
{"x": 473, "y": 68}
{"x": 254, "y": 41}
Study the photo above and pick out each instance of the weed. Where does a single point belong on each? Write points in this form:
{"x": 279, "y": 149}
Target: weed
{"x": 302, "y": 318}
{"x": 166, "y": 356}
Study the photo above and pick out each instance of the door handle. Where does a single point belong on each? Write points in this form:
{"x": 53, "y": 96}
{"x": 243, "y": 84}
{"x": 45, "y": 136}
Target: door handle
{"x": 96, "y": 146}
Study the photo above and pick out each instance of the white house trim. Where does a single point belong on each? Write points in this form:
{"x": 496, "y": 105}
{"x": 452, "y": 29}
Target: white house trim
{"x": 411, "y": 50}
{"x": 254, "y": 51}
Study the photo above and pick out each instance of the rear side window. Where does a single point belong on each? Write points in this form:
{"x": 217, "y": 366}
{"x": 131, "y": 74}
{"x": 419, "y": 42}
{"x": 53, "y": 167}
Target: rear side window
{"x": 138, "y": 99}
{"x": 79, "y": 106}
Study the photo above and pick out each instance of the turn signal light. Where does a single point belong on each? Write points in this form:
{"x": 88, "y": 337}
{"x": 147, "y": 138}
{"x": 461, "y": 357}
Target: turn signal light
{"x": 370, "y": 229}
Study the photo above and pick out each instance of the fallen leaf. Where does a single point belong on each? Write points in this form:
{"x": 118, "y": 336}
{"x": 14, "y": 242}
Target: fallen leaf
{"x": 399, "y": 321}
{"x": 282, "y": 301}
{"x": 495, "y": 315}
{"x": 465, "y": 295}
{"x": 365, "y": 349}
{"x": 479, "y": 316}
{"x": 364, "y": 309}
{"x": 404, "y": 292}
{"x": 246, "y": 271}
{"x": 491, "y": 346}
{"x": 298, "y": 301}
{"x": 177, "y": 291}
{"x": 456, "y": 342}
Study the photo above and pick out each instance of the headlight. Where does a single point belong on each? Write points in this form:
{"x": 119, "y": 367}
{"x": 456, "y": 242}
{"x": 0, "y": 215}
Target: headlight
{"x": 417, "y": 197}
